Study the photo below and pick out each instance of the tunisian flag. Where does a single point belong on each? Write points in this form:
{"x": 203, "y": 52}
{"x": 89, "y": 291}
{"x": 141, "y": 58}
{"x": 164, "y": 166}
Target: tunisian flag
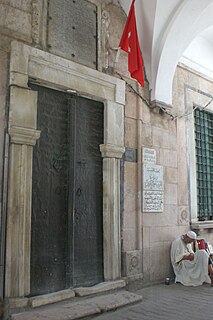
{"x": 129, "y": 43}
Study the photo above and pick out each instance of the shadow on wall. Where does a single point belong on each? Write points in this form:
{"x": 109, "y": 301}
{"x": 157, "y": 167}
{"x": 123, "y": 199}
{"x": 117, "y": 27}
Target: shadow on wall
{"x": 1, "y": 309}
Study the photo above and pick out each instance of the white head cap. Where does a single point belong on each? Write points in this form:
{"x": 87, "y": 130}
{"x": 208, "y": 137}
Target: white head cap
{"x": 192, "y": 235}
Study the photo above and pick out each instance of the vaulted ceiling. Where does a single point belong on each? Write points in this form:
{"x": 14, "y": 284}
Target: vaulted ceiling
{"x": 173, "y": 31}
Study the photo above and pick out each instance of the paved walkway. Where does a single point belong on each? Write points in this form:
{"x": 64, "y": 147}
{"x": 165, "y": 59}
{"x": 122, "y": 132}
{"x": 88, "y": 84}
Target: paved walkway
{"x": 159, "y": 302}
{"x": 168, "y": 302}
{"x": 79, "y": 308}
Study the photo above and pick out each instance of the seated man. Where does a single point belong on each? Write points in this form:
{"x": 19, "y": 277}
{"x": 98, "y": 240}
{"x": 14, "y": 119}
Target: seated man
{"x": 191, "y": 269}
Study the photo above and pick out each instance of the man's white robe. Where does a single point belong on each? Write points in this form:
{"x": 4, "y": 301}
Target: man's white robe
{"x": 189, "y": 273}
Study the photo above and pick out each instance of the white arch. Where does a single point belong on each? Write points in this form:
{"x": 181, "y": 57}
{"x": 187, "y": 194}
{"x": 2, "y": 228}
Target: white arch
{"x": 191, "y": 18}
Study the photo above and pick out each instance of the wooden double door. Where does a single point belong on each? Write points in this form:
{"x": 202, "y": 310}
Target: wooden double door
{"x": 67, "y": 193}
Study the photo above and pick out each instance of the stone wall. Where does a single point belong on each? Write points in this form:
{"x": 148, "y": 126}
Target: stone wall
{"x": 189, "y": 88}
{"x": 146, "y": 237}
{"x": 146, "y": 127}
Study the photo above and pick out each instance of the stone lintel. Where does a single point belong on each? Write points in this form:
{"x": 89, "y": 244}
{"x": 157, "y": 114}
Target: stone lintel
{"x": 25, "y": 136}
{"x": 44, "y": 66}
{"x": 111, "y": 151}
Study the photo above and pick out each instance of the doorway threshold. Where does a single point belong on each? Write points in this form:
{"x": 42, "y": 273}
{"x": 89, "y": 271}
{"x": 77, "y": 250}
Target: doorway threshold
{"x": 51, "y": 298}
{"x": 67, "y": 294}
{"x": 80, "y": 308}
{"x": 100, "y": 288}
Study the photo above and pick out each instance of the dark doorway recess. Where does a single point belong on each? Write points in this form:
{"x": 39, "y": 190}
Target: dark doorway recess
{"x": 67, "y": 193}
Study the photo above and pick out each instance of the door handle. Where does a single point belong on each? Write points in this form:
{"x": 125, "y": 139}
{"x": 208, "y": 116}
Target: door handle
{"x": 78, "y": 192}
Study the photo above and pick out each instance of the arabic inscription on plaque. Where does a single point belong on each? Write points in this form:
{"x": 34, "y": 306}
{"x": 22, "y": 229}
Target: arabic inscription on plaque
{"x": 153, "y": 186}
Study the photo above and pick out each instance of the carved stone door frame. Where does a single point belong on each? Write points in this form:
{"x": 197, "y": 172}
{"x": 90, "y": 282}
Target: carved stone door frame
{"x": 31, "y": 64}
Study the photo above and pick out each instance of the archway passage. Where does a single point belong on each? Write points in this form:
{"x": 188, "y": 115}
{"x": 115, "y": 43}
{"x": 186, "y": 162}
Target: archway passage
{"x": 67, "y": 193}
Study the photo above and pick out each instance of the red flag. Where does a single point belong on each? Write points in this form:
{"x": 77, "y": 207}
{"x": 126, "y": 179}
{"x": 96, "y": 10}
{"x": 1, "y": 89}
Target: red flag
{"x": 129, "y": 43}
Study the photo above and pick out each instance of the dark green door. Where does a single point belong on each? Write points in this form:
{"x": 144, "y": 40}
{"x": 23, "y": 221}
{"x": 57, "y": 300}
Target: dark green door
{"x": 67, "y": 231}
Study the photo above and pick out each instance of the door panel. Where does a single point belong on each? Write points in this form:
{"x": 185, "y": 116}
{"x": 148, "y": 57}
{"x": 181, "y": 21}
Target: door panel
{"x": 66, "y": 246}
{"x": 49, "y": 195}
{"x": 88, "y": 194}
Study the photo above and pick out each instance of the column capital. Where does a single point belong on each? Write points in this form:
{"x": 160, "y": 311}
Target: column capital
{"x": 111, "y": 151}
{"x": 27, "y": 136}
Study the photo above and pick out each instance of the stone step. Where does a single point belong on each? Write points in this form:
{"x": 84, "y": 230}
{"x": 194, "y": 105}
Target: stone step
{"x": 81, "y": 308}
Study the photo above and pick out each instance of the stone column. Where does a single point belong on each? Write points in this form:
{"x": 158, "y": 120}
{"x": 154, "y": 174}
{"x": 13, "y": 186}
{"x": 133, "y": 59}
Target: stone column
{"x": 23, "y": 136}
{"x": 111, "y": 210}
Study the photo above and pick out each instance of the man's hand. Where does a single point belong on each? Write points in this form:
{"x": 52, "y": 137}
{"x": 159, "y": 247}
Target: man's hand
{"x": 190, "y": 257}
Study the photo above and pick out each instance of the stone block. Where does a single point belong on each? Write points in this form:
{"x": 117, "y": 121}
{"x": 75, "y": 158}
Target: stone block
{"x": 164, "y": 139}
{"x": 51, "y": 298}
{"x": 130, "y": 133}
{"x": 160, "y": 261}
{"x": 68, "y": 312}
{"x": 183, "y": 193}
{"x": 19, "y": 79}
{"x": 15, "y": 303}
{"x": 5, "y": 43}
{"x": 81, "y": 309}
{"x": 118, "y": 300}
{"x": 183, "y": 215}
{"x": 162, "y": 234}
{"x": 171, "y": 175}
{"x": 170, "y": 214}
{"x": 24, "y": 5}
{"x": 183, "y": 175}
{"x": 131, "y": 105}
{"x": 130, "y": 181}
{"x": 151, "y": 219}
{"x": 157, "y": 120}
{"x": 156, "y": 262}
{"x": 145, "y": 114}
{"x": 168, "y": 158}
{"x": 165, "y": 218}
{"x": 14, "y": 21}
{"x": 133, "y": 263}
{"x": 172, "y": 127}
{"x": 129, "y": 217}
{"x": 146, "y": 237}
{"x": 146, "y": 261}
{"x": 23, "y": 110}
{"x": 146, "y": 135}
{"x": 181, "y": 134}
{"x": 170, "y": 196}
{"x": 129, "y": 239}
{"x": 100, "y": 288}
{"x": 115, "y": 124}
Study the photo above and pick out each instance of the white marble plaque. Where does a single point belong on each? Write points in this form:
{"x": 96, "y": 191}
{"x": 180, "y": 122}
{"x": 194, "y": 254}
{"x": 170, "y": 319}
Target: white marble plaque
{"x": 149, "y": 155}
{"x": 152, "y": 177}
{"x": 153, "y": 201}
{"x": 153, "y": 186}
